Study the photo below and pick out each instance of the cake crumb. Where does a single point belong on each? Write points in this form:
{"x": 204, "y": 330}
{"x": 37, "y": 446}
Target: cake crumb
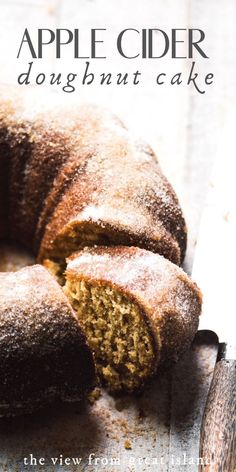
{"x": 128, "y": 444}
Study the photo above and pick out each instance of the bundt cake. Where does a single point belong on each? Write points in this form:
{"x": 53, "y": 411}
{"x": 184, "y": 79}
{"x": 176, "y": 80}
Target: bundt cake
{"x": 75, "y": 178}
{"x": 43, "y": 352}
{"x": 138, "y": 311}
{"x": 71, "y": 179}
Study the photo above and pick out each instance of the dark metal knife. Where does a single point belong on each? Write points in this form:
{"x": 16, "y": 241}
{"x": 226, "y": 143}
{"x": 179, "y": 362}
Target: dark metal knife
{"x": 215, "y": 272}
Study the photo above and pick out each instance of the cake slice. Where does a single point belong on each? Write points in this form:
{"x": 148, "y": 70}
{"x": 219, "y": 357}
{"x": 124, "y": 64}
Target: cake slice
{"x": 138, "y": 310}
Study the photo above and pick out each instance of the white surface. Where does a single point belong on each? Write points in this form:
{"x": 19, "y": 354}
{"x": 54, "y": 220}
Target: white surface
{"x": 215, "y": 255}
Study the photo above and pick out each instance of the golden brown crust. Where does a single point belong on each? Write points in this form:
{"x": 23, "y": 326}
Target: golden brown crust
{"x": 168, "y": 298}
{"x": 43, "y": 353}
{"x": 84, "y": 173}
{"x": 86, "y": 121}
{"x": 28, "y": 141}
{"x": 119, "y": 197}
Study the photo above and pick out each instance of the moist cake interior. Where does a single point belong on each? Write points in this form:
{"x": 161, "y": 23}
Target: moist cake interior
{"x": 116, "y": 332}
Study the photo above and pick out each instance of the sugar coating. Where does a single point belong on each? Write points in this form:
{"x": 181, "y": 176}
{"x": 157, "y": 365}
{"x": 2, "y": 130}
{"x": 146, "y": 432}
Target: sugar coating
{"x": 43, "y": 352}
{"x": 76, "y": 177}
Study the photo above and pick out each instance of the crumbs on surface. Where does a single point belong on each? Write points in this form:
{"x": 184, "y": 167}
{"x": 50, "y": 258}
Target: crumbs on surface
{"x": 127, "y": 444}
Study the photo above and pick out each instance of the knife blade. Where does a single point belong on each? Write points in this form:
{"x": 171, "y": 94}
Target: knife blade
{"x": 214, "y": 270}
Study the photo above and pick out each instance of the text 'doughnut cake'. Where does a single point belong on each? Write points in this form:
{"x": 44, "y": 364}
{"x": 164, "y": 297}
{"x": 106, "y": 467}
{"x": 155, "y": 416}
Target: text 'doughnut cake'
{"x": 43, "y": 353}
{"x": 75, "y": 177}
{"x": 138, "y": 311}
